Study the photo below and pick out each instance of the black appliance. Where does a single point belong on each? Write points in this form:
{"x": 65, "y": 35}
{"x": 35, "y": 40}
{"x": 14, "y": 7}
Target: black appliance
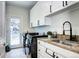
{"x": 34, "y": 45}
{"x": 24, "y": 40}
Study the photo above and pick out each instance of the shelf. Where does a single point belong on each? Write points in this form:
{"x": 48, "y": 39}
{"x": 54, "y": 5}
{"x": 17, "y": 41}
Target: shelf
{"x": 40, "y": 26}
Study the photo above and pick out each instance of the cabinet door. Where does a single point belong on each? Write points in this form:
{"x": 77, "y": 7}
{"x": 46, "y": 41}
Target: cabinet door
{"x": 47, "y": 51}
{"x": 71, "y": 2}
{"x": 32, "y": 19}
{"x": 34, "y": 15}
{"x": 38, "y": 12}
{"x": 42, "y": 52}
{"x": 43, "y": 10}
{"x": 45, "y": 7}
{"x": 56, "y": 6}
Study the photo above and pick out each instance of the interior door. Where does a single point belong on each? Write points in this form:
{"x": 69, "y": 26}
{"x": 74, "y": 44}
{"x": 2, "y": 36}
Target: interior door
{"x": 15, "y": 33}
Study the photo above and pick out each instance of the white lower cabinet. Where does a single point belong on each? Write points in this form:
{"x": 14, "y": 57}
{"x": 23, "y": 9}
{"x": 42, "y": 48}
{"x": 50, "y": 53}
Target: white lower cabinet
{"x": 40, "y": 56}
{"x": 44, "y": 52}
{"x": 47, "y": 50}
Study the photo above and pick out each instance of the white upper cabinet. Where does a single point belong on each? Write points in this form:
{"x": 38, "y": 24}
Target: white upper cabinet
{"x": 56, "y": 6}
{"x": 38, "y": 13}
{"x": 33, "y": 15}
{"x": 69, "y": 3}
{"x": 45, "y": 8}
{"x": 59, "y": 5}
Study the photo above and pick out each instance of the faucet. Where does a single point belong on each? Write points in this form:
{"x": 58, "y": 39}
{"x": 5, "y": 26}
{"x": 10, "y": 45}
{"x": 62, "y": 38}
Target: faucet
{"x": 68, "y": 30}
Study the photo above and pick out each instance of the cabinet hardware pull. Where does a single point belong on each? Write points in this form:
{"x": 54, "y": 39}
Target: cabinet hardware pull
{"x": 39, "y": 49}
{"x": 38, "y": 22}
{"x": 48, "y": 53}
{"x": 57, "y": 57}
{"x": 50, "y": 8}
{"x": 63, "y": 3}
{"x": 66, "y": 2}
{"x": 53, "y": 54}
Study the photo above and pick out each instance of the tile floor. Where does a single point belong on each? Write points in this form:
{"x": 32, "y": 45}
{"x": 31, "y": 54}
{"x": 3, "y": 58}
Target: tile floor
{"x": 17, "y": 53}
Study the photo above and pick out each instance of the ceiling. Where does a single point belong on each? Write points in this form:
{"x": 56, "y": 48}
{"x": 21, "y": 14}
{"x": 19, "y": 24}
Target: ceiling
{"x": 25, "y": 4}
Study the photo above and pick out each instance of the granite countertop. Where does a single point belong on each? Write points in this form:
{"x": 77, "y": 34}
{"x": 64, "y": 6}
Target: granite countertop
{"x": 74, "y": 48}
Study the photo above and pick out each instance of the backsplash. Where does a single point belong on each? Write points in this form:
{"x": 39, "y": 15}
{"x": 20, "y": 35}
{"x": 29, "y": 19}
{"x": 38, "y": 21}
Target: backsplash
{"x": 74, "y": 37}
{"x": 58, "y": 20}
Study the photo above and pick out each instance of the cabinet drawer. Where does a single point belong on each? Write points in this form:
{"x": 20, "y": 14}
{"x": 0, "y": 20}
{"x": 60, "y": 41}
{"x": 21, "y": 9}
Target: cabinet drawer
{"x": 47, "y": 50}
{"x": 42, "y": 43}
{"x": 47, "y": 53}
{"x": 46, "y": 45}
{"x": 42, "y": 51}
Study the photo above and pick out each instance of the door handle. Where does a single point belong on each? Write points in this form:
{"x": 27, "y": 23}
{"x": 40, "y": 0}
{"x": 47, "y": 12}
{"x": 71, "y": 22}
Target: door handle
{"x": 63, "y": 4}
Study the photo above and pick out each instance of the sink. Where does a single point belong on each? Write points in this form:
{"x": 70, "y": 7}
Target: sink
{"x": 58, "y": 41}
{"x": 66, "y": 42}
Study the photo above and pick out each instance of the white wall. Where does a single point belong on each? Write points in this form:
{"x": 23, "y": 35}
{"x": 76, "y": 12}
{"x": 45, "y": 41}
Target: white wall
{"x": 21, "y": 13}
{"x": 58, "y": 19}
{"x": 2, "y": 20}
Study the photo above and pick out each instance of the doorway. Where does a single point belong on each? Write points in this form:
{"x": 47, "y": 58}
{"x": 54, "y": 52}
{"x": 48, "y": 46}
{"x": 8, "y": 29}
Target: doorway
{"x": 15, "y": 36}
